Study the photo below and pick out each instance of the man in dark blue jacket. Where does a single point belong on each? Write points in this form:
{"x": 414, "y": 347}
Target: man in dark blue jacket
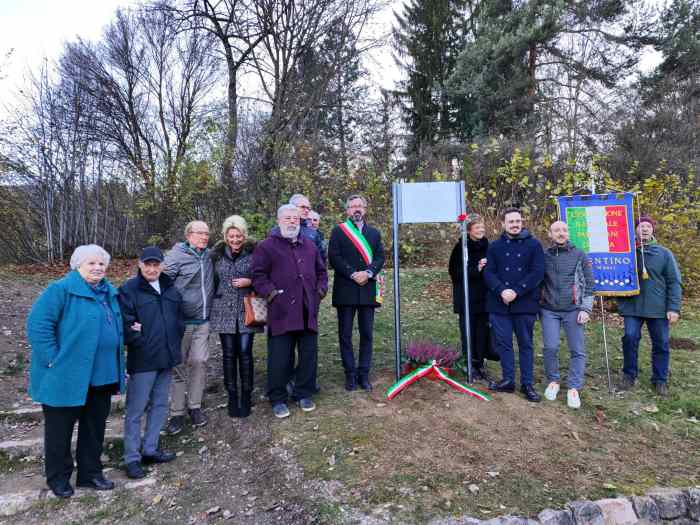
{"x": 154, "y": 324}
{"x": 513, "y": 276}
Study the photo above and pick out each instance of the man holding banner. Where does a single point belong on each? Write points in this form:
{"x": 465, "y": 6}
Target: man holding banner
{"x": 658, "y": 305}
{"x": 356, "y": 254}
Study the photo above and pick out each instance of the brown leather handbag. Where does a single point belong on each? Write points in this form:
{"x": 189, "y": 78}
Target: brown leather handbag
{"x": 255, "y": 310}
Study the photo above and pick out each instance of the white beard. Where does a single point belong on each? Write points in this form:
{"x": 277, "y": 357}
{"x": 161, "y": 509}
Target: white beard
{"x": 290, "y": 232}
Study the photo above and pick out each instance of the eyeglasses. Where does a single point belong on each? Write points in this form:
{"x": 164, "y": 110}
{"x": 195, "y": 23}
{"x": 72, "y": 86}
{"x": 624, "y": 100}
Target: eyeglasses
{"x": 304, "y": 206}
{"x": 199, "y": 233}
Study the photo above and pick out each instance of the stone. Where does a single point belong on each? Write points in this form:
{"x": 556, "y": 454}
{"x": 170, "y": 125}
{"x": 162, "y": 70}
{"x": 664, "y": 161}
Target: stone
{"x": 646, "y": 509}
{"x": 555, "y": 517}
{"x": 139, "y": 483}
{"x": 510, "y": 520}
{"x": 462, "y": 520}
{"x": 617, "y": 511}
{"x": 671, "y": 503}
{"x": 693, "y": 500}
{"x": 11, "y": 504}
{"x": 586, "y": 513}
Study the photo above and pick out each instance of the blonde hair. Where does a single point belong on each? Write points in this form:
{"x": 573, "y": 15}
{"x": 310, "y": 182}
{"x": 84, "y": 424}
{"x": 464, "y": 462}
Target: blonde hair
{"x": 235, "y": 221}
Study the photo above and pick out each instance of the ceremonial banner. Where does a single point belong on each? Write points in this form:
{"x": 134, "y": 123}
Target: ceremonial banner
{"x": 603, "y": 227}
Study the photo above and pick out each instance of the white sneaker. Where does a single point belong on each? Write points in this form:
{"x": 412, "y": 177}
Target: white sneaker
{"x": 572, "y": 398}
{"x": 552, "y": 391}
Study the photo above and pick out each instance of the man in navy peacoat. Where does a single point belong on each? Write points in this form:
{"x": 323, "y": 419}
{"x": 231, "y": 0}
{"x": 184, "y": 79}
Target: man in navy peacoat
{"x": 513, "y": 275}
{"x": 289, "y": 272}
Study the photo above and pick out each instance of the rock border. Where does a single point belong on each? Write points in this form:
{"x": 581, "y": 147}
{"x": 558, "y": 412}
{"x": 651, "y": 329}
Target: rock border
{"x": 658, "y": 505}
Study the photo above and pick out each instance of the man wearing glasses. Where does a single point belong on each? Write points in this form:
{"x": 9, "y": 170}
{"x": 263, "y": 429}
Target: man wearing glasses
{"x": 307, "y": 230}
{"x": 189, "y": 264}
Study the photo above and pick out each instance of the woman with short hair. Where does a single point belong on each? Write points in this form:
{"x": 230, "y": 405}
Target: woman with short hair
{"x": 231, "y": 258}
{"x": 477, "y": 245}
{"x": 77, "y": 363}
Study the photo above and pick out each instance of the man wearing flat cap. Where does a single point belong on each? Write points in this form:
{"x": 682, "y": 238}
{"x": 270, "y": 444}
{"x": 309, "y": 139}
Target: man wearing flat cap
{"x": 153, "y": 328}
{"x": 658, "y": 305}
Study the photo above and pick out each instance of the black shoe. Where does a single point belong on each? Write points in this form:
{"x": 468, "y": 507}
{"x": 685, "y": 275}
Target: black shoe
{"x": 97, "y": 483}
{"x": 502, "y": 386}
{"x": 198, "y": 418}
{"x": 245, "y": 404}
{"x": 233, "y": 409}
{"x": 661, "y": 389}
{"x": 175, "y": 425}
{"x": 350, "y": 382}
{"x": 159, "y": 457}
{"x": 484, "y": 374}
{"x": 62, "y": 490}
{"x": 134, "y": 470}
{"x": 530, "y": 393}
{"x": 626, "y": 383}
{"x": 364, "y": 383}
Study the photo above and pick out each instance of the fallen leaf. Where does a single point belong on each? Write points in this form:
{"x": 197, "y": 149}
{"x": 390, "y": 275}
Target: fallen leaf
{"x": 652, "y": 409}
{"x": 213, "y": 510}
{"x": 157, "y": 499}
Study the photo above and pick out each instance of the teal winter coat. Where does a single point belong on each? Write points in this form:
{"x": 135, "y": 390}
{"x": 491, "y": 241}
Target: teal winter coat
{"x": 63, "y": 329}
{"x": 661, "y": 292}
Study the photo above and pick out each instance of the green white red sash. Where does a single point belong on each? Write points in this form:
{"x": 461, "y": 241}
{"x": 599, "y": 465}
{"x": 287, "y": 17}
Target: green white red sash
{"x": 361, "y": 245}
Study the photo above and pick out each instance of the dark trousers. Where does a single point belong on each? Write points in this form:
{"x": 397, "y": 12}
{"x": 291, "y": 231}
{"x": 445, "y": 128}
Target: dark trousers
{"x": 479, "y": 330}
{"x": 365, "y": 322}
{"x": 660, "y": 355}
{"x": 58, "y": 431}
{"x": 237, "y": 351}
{"x": 503, "y": 327}
{"x": 280, "y": 349}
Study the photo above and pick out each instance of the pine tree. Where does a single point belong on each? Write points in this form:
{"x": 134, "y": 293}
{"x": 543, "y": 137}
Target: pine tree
{"x": 427, "y": 39}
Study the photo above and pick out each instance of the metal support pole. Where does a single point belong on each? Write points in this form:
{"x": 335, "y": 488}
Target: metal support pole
{"x": 465, "y": 283}
{"x": 605, "y": 346}
{"x": 397, "y": 294}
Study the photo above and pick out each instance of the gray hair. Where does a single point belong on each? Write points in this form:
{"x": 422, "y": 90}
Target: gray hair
{"x": 286, "y": 207}
{"x": 314, "y": 213}
{"x": 190, "y": 225}
{"x": 237, "y": 222}
{"x": 294, "y": 198}
{"x": 353, "y": 197}
{"x": 84, "y": 252}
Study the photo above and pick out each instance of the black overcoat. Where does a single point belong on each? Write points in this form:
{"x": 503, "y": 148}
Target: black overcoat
{"x": 345, "y": 259}
{"x": 477, "y": 287}
{"x": 157, "y": 345}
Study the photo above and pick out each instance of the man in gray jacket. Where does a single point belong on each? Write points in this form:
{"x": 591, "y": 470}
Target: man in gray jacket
{"x": 567, "y": 300}
{"x": 189, "y": 264}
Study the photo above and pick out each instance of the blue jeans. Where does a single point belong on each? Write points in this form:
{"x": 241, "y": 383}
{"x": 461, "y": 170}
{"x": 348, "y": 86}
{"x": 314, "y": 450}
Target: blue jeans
{"x": 503, "y": 327}
{"x": 660, "y": 356}
{"x": 142, "y": 389}
{"x": 551, "y": 325}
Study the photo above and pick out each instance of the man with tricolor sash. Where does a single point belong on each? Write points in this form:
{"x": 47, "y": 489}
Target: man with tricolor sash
{"x": 356, "y": 254}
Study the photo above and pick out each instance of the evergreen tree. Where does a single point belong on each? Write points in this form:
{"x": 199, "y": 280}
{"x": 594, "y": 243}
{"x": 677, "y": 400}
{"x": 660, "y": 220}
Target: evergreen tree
{"x": 427, "y": 39}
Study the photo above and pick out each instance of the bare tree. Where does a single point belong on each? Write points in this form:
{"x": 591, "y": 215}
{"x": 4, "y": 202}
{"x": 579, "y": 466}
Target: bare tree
{"x": 233, "y": 23}
{"x": 147, "y": 83}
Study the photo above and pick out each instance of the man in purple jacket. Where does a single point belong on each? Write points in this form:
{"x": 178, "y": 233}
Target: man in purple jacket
{"x": 289, "y": 272}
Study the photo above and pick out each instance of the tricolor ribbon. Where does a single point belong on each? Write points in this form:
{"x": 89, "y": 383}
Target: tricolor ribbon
{"x": 423, "y": 371}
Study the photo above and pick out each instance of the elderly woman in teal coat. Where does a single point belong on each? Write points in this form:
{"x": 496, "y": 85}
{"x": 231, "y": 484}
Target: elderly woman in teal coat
{"x": 77, "y": 363}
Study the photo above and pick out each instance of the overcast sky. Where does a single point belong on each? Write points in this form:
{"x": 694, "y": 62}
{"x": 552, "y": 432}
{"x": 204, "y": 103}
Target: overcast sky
{"x": 34, "y": 29}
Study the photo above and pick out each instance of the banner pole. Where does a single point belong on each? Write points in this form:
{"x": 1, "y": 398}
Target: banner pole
{"x": 605, "y": 346}
{"x": 466, "y": 326}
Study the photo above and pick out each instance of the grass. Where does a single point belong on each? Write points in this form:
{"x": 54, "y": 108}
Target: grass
{"x": 416, "y": 456}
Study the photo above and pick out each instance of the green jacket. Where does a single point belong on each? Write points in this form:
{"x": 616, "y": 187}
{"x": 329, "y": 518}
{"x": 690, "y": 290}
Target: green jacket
{"x": 661, "y": 292}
